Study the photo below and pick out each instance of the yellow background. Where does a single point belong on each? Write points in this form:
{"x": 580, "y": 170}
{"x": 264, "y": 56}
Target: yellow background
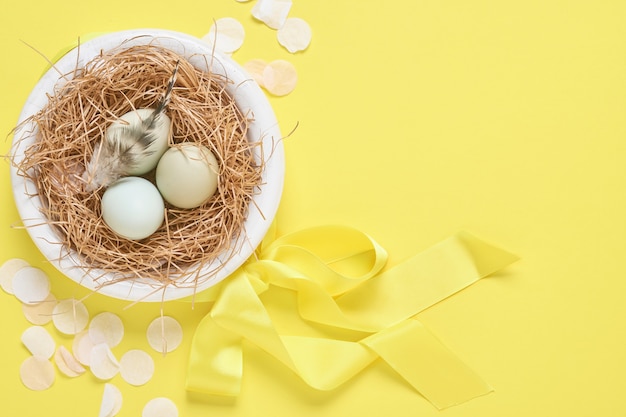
{"x": 416, "y": 119}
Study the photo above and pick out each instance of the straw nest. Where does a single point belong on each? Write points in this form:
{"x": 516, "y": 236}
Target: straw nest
{"x": 74, "y": 121}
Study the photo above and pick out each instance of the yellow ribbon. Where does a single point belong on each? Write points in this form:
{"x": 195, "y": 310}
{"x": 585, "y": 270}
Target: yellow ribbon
{"x": 337, "y": 274}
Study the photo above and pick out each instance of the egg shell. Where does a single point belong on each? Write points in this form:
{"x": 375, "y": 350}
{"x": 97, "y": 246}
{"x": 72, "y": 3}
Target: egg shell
{"x": 187, "y": 175}
{"x": 156, "y": 149}
{"x": 133, "y": 208}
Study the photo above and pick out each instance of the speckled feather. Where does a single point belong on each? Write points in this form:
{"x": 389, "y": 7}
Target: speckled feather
{"x": 126, "y": 144}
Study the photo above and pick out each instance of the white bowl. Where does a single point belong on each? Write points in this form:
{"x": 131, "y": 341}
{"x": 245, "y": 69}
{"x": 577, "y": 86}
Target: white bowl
{"x": 247, "y": 95}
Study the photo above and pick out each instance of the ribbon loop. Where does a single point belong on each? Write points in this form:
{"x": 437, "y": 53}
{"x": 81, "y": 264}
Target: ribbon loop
{"x": 216, "y": 360}
{"x": 337, "y": 258}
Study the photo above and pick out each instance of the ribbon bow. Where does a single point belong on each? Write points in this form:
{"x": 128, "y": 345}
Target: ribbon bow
{"x": 337, "y": 275}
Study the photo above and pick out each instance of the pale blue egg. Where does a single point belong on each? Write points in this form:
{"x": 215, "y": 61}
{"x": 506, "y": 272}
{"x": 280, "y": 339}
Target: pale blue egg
{"x": 133, "y": 208}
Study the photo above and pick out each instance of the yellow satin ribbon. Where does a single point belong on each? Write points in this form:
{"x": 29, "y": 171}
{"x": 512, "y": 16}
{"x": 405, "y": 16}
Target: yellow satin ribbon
{"x": 336, "y": 273}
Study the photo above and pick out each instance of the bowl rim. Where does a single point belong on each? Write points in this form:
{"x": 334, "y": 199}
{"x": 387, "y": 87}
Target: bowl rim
{"x": 264, "y": 126}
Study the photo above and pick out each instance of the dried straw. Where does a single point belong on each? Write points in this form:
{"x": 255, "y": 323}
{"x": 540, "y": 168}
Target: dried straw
{"x": 202, "y": 112}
